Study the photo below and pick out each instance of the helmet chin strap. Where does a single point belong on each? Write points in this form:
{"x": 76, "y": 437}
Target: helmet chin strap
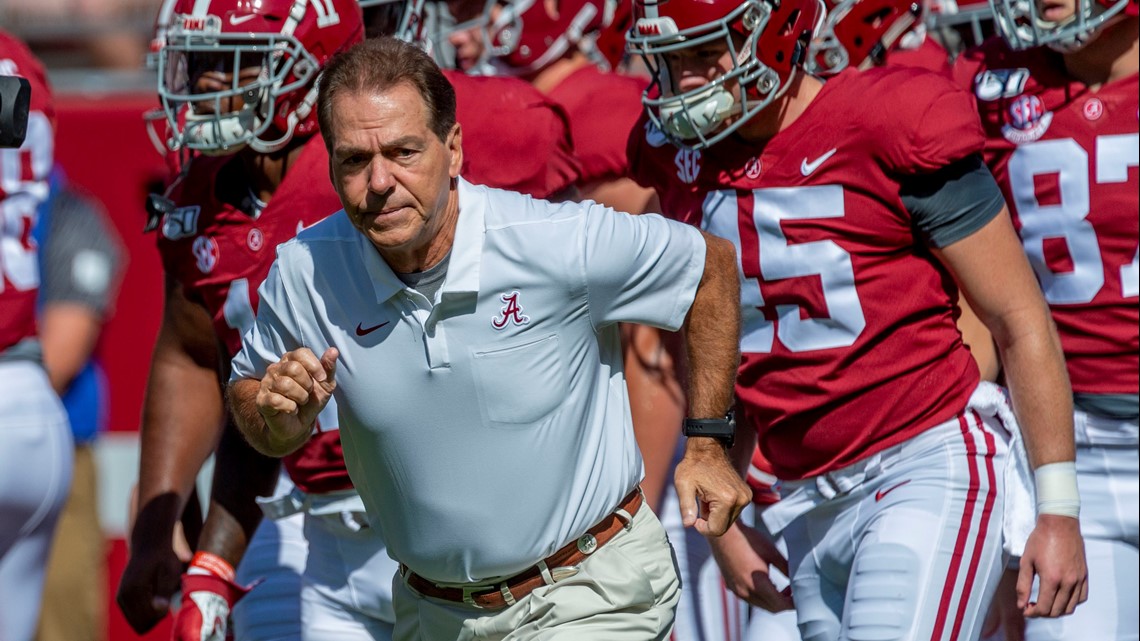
{"x": 699, "y": 114}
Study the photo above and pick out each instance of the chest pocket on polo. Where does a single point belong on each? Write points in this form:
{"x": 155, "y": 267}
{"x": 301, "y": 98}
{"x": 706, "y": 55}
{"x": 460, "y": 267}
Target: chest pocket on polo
{"x": 520, "y": 384}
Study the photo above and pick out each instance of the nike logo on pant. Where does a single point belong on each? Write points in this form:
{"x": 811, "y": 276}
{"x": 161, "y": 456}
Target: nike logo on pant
{"x": 881, "y": 493}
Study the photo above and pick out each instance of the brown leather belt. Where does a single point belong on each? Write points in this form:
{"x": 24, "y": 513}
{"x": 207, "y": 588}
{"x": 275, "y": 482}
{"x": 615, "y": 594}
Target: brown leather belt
{"x": 506, "y": 592}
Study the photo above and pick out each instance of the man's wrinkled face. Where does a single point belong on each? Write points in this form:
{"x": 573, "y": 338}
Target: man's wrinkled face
{"x": 391, "y": 171}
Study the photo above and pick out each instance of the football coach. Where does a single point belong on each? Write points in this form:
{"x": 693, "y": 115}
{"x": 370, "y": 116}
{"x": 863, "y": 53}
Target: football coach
{"x": 470, "y": 337}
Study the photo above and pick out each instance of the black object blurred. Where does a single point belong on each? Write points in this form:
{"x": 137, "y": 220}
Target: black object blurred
{"x": 15, "y": 101}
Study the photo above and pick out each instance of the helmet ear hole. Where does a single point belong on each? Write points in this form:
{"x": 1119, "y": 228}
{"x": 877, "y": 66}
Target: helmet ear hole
{"x": 793, "y": 18}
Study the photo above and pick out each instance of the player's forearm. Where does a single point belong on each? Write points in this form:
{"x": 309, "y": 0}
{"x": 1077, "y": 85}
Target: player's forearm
{"x": 276, "y": 441}
{"x": 240, "y": 476}
{"x": 182, "y": 421}
{"x": 1039, "y": 385}
{"x": 68, "y": 334}
{"x": 712, "y": 333}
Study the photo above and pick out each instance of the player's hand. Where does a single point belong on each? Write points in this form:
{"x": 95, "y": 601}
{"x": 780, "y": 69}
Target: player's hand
{"x": 710, "y": 492}
{"x": 207, "y": 600}
{"x": 294, "y": 390}
{"x": 1055, "y": 553}
{"x": 745, "y": 556}
{"x": 148, "y": 581}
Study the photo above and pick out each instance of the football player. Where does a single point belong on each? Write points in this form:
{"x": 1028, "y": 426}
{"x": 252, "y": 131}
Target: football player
{"x": 1057, "y": 94}
{"x": 858, "y": 207}
{"x": 36, "y": 459}
{"x": 237, "y": 84}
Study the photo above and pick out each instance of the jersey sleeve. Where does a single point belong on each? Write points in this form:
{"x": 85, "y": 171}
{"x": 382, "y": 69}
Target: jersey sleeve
{"x": 966, "y": 68}
{"x": 602, "y": 108}
{"x": 83, "y": 256}
{"x": 954, "y": 202}
{"x": 932, "y": 122}
{"x": 640, "y": 269}
{"x": 513, "y": 137}
{"x": 275, "y": 331}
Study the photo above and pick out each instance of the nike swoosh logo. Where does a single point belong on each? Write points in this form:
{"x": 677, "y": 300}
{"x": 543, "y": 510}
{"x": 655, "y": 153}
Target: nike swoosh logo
{"x": 364, "y": 331}
{"x": 881, "y": 493}
{"x": 236, "y": 20}
{"x": 807, "y": 168}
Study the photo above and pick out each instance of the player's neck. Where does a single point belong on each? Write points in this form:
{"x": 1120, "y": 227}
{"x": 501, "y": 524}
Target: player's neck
{"x": 266, "y": 172}
{"x": 553, "y": 74}
{"x": 780, "y": 115}
{"x": 1114, "y": 54}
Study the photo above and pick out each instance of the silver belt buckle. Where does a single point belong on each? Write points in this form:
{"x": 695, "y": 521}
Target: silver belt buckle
{"x": 587, "y": 544}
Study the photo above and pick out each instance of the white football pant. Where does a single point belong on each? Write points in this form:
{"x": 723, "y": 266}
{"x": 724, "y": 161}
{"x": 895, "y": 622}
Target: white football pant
{"x": 906, "y": 544}
{"x": 36, "y": 454}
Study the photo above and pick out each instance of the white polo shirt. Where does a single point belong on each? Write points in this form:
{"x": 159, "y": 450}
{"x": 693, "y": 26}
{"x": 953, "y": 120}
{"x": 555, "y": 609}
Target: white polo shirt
{"x": 488, "y": 430}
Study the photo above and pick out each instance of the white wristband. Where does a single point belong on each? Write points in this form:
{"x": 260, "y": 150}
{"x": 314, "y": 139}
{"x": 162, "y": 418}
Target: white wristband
{"x": 1057, "y": 489}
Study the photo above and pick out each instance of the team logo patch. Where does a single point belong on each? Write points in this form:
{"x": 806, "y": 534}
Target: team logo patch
{"x": 511, "y": 312}
{"x": 654, "y": 136}
{"x": 206, "y": 253}
{"x": 255, "y": 239}
{"x": 688, "y": 163}
{"x": 1093, "y": 109}
{"x": 1026, "y": 120}
{"x": 752, "y": 168}
{"x": 181, "y": 223}
{"x": 995, "y": 84}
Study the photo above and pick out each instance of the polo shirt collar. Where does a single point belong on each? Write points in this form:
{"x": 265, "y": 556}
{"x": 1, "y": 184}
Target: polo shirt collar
{"x": 466, "y": 251}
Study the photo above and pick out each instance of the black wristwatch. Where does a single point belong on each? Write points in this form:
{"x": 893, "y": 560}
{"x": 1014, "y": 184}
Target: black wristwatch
{"x": 722, "y": 429}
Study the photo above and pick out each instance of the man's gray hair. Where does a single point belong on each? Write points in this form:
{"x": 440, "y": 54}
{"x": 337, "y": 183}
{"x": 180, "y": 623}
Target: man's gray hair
{"x": 378, "y": 64}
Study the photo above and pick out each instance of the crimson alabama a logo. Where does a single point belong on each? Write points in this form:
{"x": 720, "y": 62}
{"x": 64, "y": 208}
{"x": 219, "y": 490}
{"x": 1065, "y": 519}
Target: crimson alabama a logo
{"x": 511, "y": 312}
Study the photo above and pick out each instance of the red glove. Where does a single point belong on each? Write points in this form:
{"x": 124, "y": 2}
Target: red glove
{"x": 208, "y": 595}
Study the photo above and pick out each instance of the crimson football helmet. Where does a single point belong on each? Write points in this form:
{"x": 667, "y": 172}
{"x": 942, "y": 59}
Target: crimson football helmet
{"x": 262, "y": 54}
{"x": 524, "y": 38}
{"x": 856, "y": 33}
{"x": 768, "y": 41}
{"x": 521, "y": 37}
{"x": 1023, "y": 26}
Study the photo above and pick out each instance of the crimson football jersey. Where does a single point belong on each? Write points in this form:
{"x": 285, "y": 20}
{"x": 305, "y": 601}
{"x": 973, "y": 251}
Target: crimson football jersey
{"x": 928, "y": 55}
{"x": 23, "y": 188}
{"x": 603, "y": 108}
{"x": 220, "y": 254}
{"x": 1066, "y": 159}
{"x": 513, "y": 137}
{"x": 848, "y": 338}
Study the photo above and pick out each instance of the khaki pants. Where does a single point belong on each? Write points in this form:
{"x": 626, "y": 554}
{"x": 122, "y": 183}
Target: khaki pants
{"x": 75, "y": 600}
{"x": 627, "y": 590}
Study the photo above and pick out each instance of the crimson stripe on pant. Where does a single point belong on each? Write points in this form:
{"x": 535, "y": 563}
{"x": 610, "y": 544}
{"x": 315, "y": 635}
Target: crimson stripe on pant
{"x": 964, "y": 532}
{"x": 983, "y": 525}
